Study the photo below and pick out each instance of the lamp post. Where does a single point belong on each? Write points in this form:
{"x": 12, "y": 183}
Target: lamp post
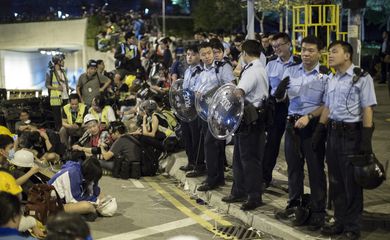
{"x": 163, "y": 17}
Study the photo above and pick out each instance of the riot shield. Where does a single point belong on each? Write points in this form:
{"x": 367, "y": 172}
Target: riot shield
{"x": 182, "y": 101}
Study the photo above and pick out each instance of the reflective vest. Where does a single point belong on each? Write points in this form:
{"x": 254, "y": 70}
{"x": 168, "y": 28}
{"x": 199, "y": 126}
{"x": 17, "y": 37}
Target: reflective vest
{"x": 55, "y": 95}
{"x": 80, "y": 113}
{"x": 164, "y": 129}
{"x": 104, "y": 118}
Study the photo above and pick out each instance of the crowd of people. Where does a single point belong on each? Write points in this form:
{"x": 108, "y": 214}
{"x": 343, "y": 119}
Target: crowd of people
{"x": 115, "y": 114}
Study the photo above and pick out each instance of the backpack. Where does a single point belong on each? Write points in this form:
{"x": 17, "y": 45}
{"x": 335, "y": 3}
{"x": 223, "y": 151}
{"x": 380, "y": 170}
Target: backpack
{"x": 149, "y": 157}
{"x": 43, "y": 201}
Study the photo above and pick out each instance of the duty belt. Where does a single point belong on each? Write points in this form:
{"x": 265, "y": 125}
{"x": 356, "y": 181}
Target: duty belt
{"x": 339, "y": 125}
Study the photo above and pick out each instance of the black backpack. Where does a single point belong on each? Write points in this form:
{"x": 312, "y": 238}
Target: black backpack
{"x": 149, "y": 157}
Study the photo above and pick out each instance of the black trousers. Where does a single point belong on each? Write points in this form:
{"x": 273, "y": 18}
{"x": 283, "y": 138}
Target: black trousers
{"x": 193, "y": 142}
{"x": 384, "y": 70}
{"x": 57, "y": 115}
{"x": 346, "y": 194}
{"x": 298, "y": 148}
{"x": 274, "y": 136}
{"x": 214, "y": 150}
{"x": 248, "y": 156}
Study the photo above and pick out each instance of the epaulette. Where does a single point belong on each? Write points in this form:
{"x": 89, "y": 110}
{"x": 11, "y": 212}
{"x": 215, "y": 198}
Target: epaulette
{"x": 358, "y": 73}
{"x": 198, "y": 70}
{"x": 324, "y": 70}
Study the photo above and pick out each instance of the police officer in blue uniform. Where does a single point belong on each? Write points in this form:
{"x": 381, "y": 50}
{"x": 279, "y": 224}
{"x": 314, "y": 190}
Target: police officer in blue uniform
{"x": 306, "y": 90}
{"x": 348, "y": 115}
{"x": 275, "y": 68}
{"x": 192, "y": 130}
{"x": 214, "y": 149}
{"x": 250, "y": 140}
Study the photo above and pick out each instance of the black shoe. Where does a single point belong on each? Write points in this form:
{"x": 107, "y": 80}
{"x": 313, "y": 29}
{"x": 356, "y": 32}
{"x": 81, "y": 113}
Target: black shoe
{"x": 187, "y": 168}
{"x": 89, "y": 217}
{"x": 233, "y": 199}
{"x": 315, "y": 223}
{"x": 350, "y": 236}
{"x": 264, "y": 186}
{"x": 330, "y": 230}
{"x": 196, "y": 173}
{"x": 286, "y": 214}
{"x": 251, "y": 205}
{"x": 206, "y": 187}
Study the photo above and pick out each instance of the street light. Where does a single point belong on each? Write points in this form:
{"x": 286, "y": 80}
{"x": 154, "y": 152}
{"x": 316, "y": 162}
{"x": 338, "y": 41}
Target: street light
{"x": 163, "y": 16}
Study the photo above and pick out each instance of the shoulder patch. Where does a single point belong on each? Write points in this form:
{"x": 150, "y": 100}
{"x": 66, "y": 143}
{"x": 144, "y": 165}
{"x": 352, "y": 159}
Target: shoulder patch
{"x": 272, "y": 58}
{"x": 324, "y": 70}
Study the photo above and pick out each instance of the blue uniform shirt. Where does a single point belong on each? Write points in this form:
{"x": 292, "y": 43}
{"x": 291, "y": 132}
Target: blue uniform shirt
{"x": 210, "y": 76}
{"x": 275, "y": 70}
{"x": 306, "y": 89}
{"x": 225, "y": 72}
{"x": 191, "y": 77}
{"x": 254, "y": 82}
{"x": 345, "y": 101}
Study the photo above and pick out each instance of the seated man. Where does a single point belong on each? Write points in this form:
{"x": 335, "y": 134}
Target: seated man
{"x": 24, "y": 123}
{"x": 122, "y": 146}
{"x": 77, "y": 184}
{"x": 72, "y": 119}
{"x": 101, "y": 110}
{"x": 94, "y": 137}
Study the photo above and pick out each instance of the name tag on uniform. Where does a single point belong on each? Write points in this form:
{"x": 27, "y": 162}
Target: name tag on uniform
{"x": 90, "y": 90}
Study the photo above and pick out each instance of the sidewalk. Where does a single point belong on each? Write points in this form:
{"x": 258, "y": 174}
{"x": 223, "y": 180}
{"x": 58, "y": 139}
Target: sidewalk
{"x": 376, "y": 217}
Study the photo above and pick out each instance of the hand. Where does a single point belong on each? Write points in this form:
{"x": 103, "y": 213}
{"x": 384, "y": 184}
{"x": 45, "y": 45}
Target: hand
{"x": 319, "y": 137}
{"x": 281, "y": 89}
{"x": 302, "y": 122}
{"x": 74, "y": 126}
{"x": 43, "y": 134}
{"x": 101, "y": 89}
{"x": 77, "y": 148}
{"x": 138, "y": 132}
{"x": 38, "y": 232}
{"x": 366, "y": 139}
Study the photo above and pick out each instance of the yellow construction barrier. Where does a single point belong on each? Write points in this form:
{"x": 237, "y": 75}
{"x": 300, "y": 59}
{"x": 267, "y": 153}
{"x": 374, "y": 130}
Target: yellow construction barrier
{"x": 327, "y": 21}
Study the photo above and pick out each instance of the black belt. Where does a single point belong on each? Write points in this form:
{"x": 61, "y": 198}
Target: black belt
{"x": 338, "y": 125}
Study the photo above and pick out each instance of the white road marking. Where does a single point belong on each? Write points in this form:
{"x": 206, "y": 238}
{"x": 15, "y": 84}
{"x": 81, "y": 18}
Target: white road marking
{"x": 137, "y": 183}
{"x": 141, "y": 233}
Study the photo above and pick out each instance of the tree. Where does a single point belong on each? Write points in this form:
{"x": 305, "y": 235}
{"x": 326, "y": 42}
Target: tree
{"x": 211, "y": 15}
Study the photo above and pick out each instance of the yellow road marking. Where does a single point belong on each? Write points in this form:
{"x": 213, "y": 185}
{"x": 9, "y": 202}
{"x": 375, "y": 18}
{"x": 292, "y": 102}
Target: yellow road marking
{"x": 183, "y": 208}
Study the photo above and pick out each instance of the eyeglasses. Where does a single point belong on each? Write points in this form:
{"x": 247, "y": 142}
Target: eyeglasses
{"x": 279, "y": 45}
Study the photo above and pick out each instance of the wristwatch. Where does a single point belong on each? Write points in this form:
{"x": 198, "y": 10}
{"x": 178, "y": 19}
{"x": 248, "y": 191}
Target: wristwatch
{"x": 310, "y": 116}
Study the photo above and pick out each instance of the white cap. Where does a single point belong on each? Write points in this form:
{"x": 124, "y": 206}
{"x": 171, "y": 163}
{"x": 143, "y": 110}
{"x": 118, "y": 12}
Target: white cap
{"x": 23, "y": 158}
{"x": 108, "y": 207}
{"x": 89, "y": 117}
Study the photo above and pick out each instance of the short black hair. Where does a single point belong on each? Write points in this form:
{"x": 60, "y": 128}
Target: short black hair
{"x": 64, "y": 226}
{"x": 165, "y": 40}
{"x": 239, "y": 38}
{"x": 128, "y": 35}
{"x": 117, "y": 126}
{"x": 252, "y": 47}
{"x": 100, "y": 101}
{"x": 10, "y": 207}
{"x": 265, "y": 35}
{"x": 313, "y": 40}
{"x": 217, "y": 44}
{"x": 347, "y": 47}
{"x": 99, "y": 61}
{"x": 5, "y": 140}
{"x": 24, "y": 111}
{"x": 91, "y": 169}
{"x": 74, "y": 96}
{"x": 204, "y": 45}
{"x": 192, "y": 48}
{"x": 282, "y": 35}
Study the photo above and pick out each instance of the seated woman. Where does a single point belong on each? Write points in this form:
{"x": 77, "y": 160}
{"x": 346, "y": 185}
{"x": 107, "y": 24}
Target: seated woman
{"x": 77, "y": 185}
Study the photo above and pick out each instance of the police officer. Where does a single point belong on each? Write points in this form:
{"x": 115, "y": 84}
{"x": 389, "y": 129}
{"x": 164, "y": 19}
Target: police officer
{"x": 192, "y": 130}
{"x": 348, "y": 114}
{"x": 250, "y": 140}
{"x": 214, "y": 149}
{"x": 275, "y": 69}
{"x": 307, "y": 84}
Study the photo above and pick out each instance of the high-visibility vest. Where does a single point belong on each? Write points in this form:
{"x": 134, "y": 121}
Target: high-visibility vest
{"x": 104, "y": 118}
{"x": 80, "y": 113}
{"x": 55, "y": 95}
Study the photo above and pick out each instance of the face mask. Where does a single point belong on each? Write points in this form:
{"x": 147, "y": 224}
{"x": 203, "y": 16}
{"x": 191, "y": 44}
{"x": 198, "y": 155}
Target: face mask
{"x": 11, "y": 154}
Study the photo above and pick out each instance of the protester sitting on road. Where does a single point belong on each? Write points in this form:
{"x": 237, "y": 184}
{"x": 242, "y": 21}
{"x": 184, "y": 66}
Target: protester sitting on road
{"x": 94, "y": 137}
{"x": 77, "y": 185}
{"x": 24, "y": 123}
{"x": 67, "y": 226}
{"x": 101, "y": 110}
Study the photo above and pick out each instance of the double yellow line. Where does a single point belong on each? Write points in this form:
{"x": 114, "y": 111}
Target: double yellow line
{"x": 181, "y": 207}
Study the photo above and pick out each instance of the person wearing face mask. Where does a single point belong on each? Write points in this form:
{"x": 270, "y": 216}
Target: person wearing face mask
{"x": 91, "y": 83}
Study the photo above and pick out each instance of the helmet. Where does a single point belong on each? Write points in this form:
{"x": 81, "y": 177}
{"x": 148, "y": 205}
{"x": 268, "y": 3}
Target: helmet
{"x": 58, "y": 58}
{"x": 8, "y": 184}
{"x": 372, "y": 174}
{"x": 149, "y": 106}
{"x": 91, "y": 63}
{"x": 23, "y": 158}
{"x": 89, "y": 117}
{"x": 108, "y": 207}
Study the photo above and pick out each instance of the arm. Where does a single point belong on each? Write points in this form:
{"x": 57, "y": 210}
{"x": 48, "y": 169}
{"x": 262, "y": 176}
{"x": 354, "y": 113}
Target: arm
{"x": 107, "y": 155}
{"x": 78, "y": 90}
{"x": 304, "y": 120}
{"x": 48, "y": 144}
{"x": 367, "y": 117}
{"x": 106, "y": 84}
{"x": 153, "y": 131}
{"x": 23, "y": 179}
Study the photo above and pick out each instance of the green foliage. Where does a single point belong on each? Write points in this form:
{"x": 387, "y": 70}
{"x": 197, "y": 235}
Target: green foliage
{"x": 377, "y": 12}
{"x": 211, "y": 15}
{"x": 95, "y": 24}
